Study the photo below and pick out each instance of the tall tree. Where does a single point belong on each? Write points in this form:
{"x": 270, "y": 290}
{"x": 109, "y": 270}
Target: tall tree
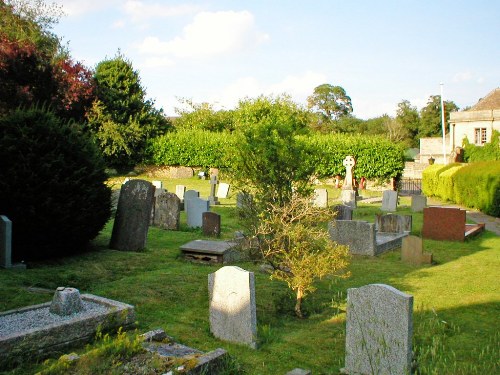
{"x": 122, "y": 119}
{"x": 430, "y": 116}
{"x": 407, "y": 116}
{"x": 330, "y": 102}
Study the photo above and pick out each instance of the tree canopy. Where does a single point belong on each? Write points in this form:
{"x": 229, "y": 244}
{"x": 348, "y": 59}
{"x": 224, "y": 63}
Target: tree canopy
{"x": 330, "y": 102}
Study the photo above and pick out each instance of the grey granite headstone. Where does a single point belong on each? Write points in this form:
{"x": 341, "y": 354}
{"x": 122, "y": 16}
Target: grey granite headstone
{"x": 167, "y": 211}
{"x": 358, "y": 235}
{"x": 5, "y": 242}
{"x": 418, "y": 203}
{"x": 223, "y": 190}
{"x": 392, "y": 223}
{"x": 194, "y": 211}
{"x": 389, "y": 200}
{"x": 320, "y": 198}
{"x": 233, "y": 314}
{"x": 191, "y": 194}
{"x": 66, "y": 301}
{"x": 348, "y": 198}
{"x": 343, "y": 212}
{"x": 211, "y": 224}
{"x": 379, "y": 330}
{"x": 179, "y": 191}
{"x": 133, "y": 214}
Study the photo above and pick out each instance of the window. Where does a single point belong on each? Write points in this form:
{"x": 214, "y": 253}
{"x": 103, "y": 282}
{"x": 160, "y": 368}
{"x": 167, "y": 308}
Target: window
{"x": 479, "y": 136}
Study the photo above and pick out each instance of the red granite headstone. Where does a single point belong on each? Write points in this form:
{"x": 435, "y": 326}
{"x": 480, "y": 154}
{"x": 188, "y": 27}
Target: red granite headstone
{"x": 444, "y": 223}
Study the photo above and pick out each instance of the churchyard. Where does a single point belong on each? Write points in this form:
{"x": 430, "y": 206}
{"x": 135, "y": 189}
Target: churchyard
{"x": 455, "y": 299}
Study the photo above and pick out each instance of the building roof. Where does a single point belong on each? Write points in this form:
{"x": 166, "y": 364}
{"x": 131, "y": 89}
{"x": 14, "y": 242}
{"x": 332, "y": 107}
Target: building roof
{"x": 490, "y": 101}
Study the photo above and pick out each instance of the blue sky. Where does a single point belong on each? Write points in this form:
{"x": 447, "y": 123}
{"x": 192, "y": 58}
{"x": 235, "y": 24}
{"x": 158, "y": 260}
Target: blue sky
{"x": 215, "y": 51}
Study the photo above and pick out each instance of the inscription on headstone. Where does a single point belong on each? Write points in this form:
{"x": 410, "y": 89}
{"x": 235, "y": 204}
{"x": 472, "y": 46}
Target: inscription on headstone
{"x": 232, "y": 305}
{"x": 130, "y": 229}
{"x": 379, "y": 330}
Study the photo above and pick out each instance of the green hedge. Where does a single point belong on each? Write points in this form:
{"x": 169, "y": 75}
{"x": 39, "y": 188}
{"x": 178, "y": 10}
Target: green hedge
{"x": 486, "y": 152}
{"x": 475, "y": 185}
{"x": 376, "y": 157}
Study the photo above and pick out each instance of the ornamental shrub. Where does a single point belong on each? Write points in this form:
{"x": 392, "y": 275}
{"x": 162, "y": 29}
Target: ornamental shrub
{"x": 52, "y": 185}
{"x": 431, "y": 176}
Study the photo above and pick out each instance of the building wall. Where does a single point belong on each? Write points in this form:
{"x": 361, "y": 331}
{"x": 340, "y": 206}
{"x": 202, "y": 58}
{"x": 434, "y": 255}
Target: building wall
{"x": 434, "y": 147}
{"x": 463, "y": 124}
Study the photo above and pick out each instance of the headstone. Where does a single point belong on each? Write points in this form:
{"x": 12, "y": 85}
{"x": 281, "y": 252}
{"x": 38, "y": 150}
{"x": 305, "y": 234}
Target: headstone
{"x": 418, "y": 203}
{"x": 348, "y": 198}
{"x": 211, "y": 224}
{"x": 299, "y": 371}
{"x": 130, "y": 229}
{"x": 179, "y": 191}
{"x": 223, "y": 190}
{"x": 343, "y": 212}
{"x": 158, "y": 192}
{"x": 243, "y": 199}
{"x": 66, "y": 301}
{"x": 5, "y": 242}
{"x": 358, "y": 235}
{"x": 213, "y": 185}
{"x": 157, "y": 184}
{"x": 191, "y": 194}
{"x": 232, "y": 305}
{"x": 444, "y": 223}
{"x": 194, "y": 211}
{"x": 412, "y": 251}
{"x": 389, "y": 200}
{"x": 167, "y": 211}
{"x": 349, "y": 164}
{"x": 392, "y": 223}
{"x": 320, "y": 198}
{"x": 379, "y": 330}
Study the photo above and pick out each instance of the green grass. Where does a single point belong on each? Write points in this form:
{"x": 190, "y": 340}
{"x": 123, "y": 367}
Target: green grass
{"x": 456, "y": 300}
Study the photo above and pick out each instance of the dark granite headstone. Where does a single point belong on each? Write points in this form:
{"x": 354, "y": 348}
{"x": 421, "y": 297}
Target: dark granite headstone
{"x": 211, "y": 224}
{"x": 343, "y": 212}
{"x": 130, "y": 229}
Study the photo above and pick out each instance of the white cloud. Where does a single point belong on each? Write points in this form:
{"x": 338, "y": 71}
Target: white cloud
{"x": 140, "y": 10}
{"x": 210, "y": 34}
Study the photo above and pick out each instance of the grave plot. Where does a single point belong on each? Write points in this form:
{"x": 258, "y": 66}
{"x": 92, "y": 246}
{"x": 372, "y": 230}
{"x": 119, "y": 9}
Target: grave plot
{"x": 207, "y": 251}
{"x": 448, "y": 224}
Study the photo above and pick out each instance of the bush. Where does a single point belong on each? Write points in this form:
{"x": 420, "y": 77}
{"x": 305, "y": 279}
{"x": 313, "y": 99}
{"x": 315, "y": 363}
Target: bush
{"x": 488, "y": 151}
{"x": 446, "y": 179}
{"x": 431, "y": 179}
{"x": 52, "y": 185}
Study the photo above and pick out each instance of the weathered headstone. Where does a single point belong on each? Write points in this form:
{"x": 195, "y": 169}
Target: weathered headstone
{"x": 379, "y": 330}
{"x": 418, "y": 203}
{"x": 179, "y": 191}
{"x": 167, "y": 211}
{"x": 157, "y": 184}
{"x": 343, "y": 212}
{"x": 66, "y": 301}
{"x": 232, "y": 305}
{"x": 320, "y": 198}
{"x": 158, "y": 192}
{"x": 194, "y": 211}
{"x": 5, "y": 242}
{"x": 412, "y": 251}
{"x": 392, "y": 223}
{"x": 133, "y": 214}
{"x": 211, "y": 224}
{"x": 223, "y": 190}
{"x": 389, "y": 200}
{"x": 213, "y": 185}
{"x": 299, "y": 371}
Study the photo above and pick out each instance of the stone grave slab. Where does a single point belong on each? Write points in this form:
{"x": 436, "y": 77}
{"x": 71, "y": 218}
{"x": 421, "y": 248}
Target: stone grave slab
{"x": 211, "y": 224}
{"x": 194, "y": 211}
{"x": 343, "y": 212}
{"x": 418, "y": 203}
{"x": 389, "y": 200}
{"x": 412, "y": 251}
{"x": 448, "y": 224}
{"x": 167, "y": 211}
{"x": 393, "y": 223}
{"x": 208, "y": 251}
{"x": 320, "y": 198}
{"x": 379, "y": 330}
{"x": 223, "y": 190}
{"x": 232, "y": 306}
{"x": 133, "y": 215}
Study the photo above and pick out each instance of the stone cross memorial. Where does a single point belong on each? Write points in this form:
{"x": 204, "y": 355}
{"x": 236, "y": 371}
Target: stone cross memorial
{"x": 233, "y": 314}
{"x": 379, "y": 330}
{"x": 213, "y": 197}
{"x": 133, "y": 214}
{"x": 349, "y": 164}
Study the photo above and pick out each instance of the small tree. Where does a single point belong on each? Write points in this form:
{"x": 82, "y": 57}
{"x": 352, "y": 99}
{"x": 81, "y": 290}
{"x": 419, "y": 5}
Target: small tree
{"x": 296, "y": 244}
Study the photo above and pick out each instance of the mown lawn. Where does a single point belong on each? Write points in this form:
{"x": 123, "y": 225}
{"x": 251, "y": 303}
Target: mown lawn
{"x": 456, "y": 300}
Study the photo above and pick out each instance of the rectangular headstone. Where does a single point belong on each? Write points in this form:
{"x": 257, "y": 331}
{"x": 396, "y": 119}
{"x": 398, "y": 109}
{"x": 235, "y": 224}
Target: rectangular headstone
{"x": 223, "y": 190}
{"x": 393, "y": 223}
{"x": 379, "y": 330}
{"x": 232, "y": 306}
{"x": 358, "y": 235}
{"x": 348, "y": 198}
{"x": 133, "y": 214}
{"x": 444, "y": 223}
{"x": 179, "y": 191}
{"x": 320, "y": 198}
{"x": 167, "y": 211}
{"x": 389, "y": 200}
{"x": 412, "y": 251}
{"x": 211, "y": 224}
{"x": 157, "y": 184}
{"x": 343, "y": 212}
{"x": 194, "y": 211}
{"x": 5, "y": 242}
{"x": 418, "y": 203}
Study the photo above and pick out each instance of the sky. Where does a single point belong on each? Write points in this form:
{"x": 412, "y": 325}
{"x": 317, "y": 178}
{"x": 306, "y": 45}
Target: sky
{"x": 380, "y": 51}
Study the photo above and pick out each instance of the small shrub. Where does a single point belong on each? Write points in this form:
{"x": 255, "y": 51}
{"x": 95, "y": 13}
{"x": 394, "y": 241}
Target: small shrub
{"x": 52, "y": 185}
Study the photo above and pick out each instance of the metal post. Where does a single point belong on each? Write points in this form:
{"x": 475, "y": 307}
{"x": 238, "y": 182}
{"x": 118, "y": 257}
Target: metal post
{"x": 443, "y": 126}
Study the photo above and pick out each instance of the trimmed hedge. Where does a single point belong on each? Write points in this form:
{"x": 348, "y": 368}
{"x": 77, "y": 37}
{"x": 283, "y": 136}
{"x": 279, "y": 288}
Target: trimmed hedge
{"x": 475, "y": 185}
{"x": 376, "y": 157}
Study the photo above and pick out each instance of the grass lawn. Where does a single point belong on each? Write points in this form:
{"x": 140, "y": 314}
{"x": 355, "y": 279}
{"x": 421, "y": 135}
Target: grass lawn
{"x": 456, "y": 300}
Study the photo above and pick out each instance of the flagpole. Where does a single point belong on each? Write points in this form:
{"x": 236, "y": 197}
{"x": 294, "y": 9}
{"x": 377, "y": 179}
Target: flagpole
{"x": 442, "y": 125}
